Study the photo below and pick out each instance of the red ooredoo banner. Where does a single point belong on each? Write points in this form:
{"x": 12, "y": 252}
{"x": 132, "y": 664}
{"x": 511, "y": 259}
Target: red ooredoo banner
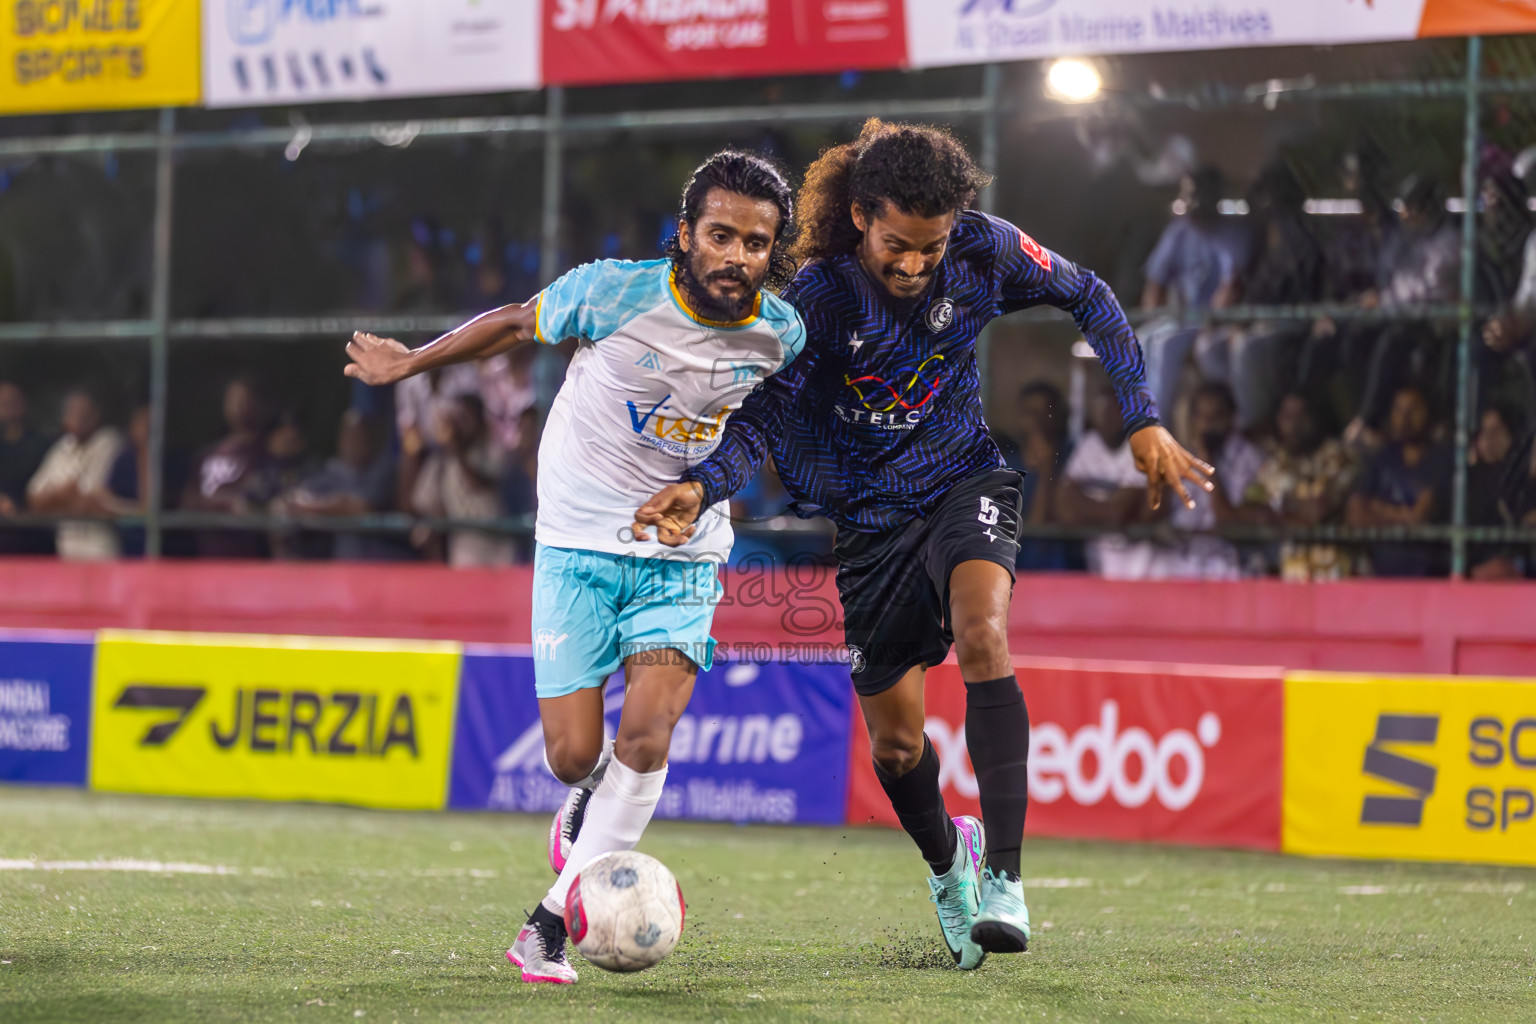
{"x": 1182, "y": 754}
{"x": 592, "y": 42}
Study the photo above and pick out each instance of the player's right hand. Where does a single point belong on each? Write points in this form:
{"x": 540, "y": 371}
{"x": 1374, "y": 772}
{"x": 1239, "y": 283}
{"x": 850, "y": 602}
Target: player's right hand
{"x": 376, "y": 360}
{"x": 673, "y": 511}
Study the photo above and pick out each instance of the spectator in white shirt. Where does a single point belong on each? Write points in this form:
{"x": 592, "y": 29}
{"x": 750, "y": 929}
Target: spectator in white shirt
{"x": 72, "y": 481}
{"x": 1216, "y": 440}
{"x": 1102, "y": 487}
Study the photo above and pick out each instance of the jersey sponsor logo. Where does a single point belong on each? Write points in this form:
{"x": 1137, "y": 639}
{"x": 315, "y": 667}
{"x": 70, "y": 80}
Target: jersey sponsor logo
{"x": 650, "y": 361}
{"x": 1035, "y": 251}
{"x": 940, "y": 315}
{"x": 895, "y": 404}
{"x": 675, "y": 435}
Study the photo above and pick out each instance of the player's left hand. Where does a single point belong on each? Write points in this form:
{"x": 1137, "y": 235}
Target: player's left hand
{"x": 376, "y": 360}
{"x": 1166, "y": 463}
{"x": 673, "y": 511}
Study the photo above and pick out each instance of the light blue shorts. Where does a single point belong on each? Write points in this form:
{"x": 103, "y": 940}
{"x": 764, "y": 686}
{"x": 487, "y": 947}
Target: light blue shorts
{"x": 591, "y": 610}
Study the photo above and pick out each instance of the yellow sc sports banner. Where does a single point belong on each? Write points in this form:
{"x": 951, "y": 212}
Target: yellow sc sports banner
{"x": 1424, "y": 769}
{"x": 281, "y": 718}
{"x": 98, "y": 54}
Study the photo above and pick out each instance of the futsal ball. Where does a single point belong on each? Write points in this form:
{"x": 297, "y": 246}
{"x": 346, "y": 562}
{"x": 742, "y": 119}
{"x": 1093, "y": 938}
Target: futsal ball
{"x": 625, "y": 911}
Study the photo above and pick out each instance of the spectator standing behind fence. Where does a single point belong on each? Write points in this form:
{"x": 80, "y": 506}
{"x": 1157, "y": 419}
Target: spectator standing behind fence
{"x": 1304, "y": 481}
{"x": 1214, "y": 438}
{"x": 1420, "y": 265}
{"x": 462, "y": 480}
{"x": 1336, "y": 353}
{"x": 1101, "y": 487}
{"x": 1404, "y": 484}
{"x": 21, "y": 452}
{"x": 234, "y": 475}
{"x": 72, "y": 481}
{"x": 1193, "y": 267}
{"x": 1287, "y": 269}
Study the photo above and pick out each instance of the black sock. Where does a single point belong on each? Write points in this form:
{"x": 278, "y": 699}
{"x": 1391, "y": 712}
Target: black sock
{"x": 919, "y": 806}
{"x": 997, "y": 735}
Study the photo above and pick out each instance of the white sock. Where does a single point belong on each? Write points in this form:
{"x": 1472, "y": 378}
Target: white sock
{"x": 591, "y": 781}
{"x": 616, "y": 816}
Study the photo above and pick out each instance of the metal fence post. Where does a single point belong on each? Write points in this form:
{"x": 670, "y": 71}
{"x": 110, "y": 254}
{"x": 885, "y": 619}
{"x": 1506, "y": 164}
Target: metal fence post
{"x": 991, "y": 129}
{"x": 159, "y": 340}
{"x": 554, "y": 171}
{"x": 1469, "y": 181}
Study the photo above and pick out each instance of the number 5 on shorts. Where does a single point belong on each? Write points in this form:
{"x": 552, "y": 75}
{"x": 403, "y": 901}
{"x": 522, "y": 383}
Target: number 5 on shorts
{"x": 988, "y": 513}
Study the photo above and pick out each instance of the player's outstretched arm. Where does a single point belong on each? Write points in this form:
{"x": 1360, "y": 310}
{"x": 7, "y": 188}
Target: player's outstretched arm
{"x": 1166, "y": 463}
{"x": 673, "y": 511}
{"x": 378, "y": 360}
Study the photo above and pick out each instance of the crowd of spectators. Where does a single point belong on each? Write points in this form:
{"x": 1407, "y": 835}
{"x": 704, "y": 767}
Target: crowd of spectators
{"x": 462, "y": 446}
{"x": 1341, "y": 420}
{"x": 1310, "y": 421}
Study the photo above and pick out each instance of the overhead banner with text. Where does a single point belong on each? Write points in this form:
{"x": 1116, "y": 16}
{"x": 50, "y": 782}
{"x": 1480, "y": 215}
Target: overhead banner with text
{"x": 943, "y": 32}
{"x": 278, "y": 51}
{"x": 62, "y": 55}
{"x": 592, "y": 42}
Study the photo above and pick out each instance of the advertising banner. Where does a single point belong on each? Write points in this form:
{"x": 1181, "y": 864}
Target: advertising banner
{"x": 589, "y": 42}
{"x": 759, "y": 742}
{"x": 280, "y": 718}
{"x": 1423, "y": 769}
{"x": 45, "y": 708}
{"x": 103, "y": 54}
{"x": 1185, "y": 754}
{"x": 279, "y": 51}
{"x": 976, "y": 31}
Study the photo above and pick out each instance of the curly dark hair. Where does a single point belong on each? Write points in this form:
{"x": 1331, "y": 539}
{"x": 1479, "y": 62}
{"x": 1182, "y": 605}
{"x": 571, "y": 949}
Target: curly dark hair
{"x": 917, "y": 168}
{"x": 756, "y": 177}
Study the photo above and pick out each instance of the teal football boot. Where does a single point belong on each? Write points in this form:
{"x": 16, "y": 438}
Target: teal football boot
{"x": 957, "y": 893}
{"x": 1002, "y": 923}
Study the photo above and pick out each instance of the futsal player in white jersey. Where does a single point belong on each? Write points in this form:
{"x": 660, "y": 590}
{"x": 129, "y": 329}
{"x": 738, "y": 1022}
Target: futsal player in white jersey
{"x": 666, "y": 350}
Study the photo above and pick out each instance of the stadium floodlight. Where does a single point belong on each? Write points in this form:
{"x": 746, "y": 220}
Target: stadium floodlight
{"x": 1071, "y": 80}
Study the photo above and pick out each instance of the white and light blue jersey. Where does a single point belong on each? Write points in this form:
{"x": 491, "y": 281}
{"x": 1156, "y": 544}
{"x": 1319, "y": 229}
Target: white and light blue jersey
{"x": 645, "y": 397}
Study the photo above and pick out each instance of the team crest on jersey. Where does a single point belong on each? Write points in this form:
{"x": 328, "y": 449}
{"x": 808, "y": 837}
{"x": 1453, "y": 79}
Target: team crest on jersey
{"x": 940, "y": 315}
{"x": 856, "y": 660}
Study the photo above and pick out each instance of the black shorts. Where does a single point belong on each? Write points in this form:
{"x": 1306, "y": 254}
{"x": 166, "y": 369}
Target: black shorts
{"x": 895, "y": 586}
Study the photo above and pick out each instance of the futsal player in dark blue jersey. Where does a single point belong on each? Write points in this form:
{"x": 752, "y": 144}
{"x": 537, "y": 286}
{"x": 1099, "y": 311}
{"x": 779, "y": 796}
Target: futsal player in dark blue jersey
{"x": 878, "y": 425}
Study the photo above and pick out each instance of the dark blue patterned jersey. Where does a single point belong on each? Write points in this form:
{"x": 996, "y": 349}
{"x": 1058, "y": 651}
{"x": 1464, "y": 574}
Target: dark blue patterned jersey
{"x": 881, "y": 413}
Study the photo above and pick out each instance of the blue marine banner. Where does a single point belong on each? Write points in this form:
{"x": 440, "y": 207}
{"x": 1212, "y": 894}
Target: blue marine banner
{"x": 45, "y": 709}
{"x": 759, "y": 742}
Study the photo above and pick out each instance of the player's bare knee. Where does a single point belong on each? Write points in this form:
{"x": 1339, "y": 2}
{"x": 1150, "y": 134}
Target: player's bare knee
{"x": 570, "y": 761}
{"x": 643, "y": 750}
{"x": 897, "y": 752}
{"x": 981, "y": 646}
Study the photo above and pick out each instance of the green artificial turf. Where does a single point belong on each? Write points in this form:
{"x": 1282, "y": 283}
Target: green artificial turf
{"x": 331, "y": 914}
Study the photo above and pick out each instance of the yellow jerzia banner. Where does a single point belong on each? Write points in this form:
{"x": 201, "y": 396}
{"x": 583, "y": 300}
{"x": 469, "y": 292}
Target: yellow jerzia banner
{"x": 1423, "y": 769}
{"x": 98, "y": 54}
{"x": 281, "y": 718}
